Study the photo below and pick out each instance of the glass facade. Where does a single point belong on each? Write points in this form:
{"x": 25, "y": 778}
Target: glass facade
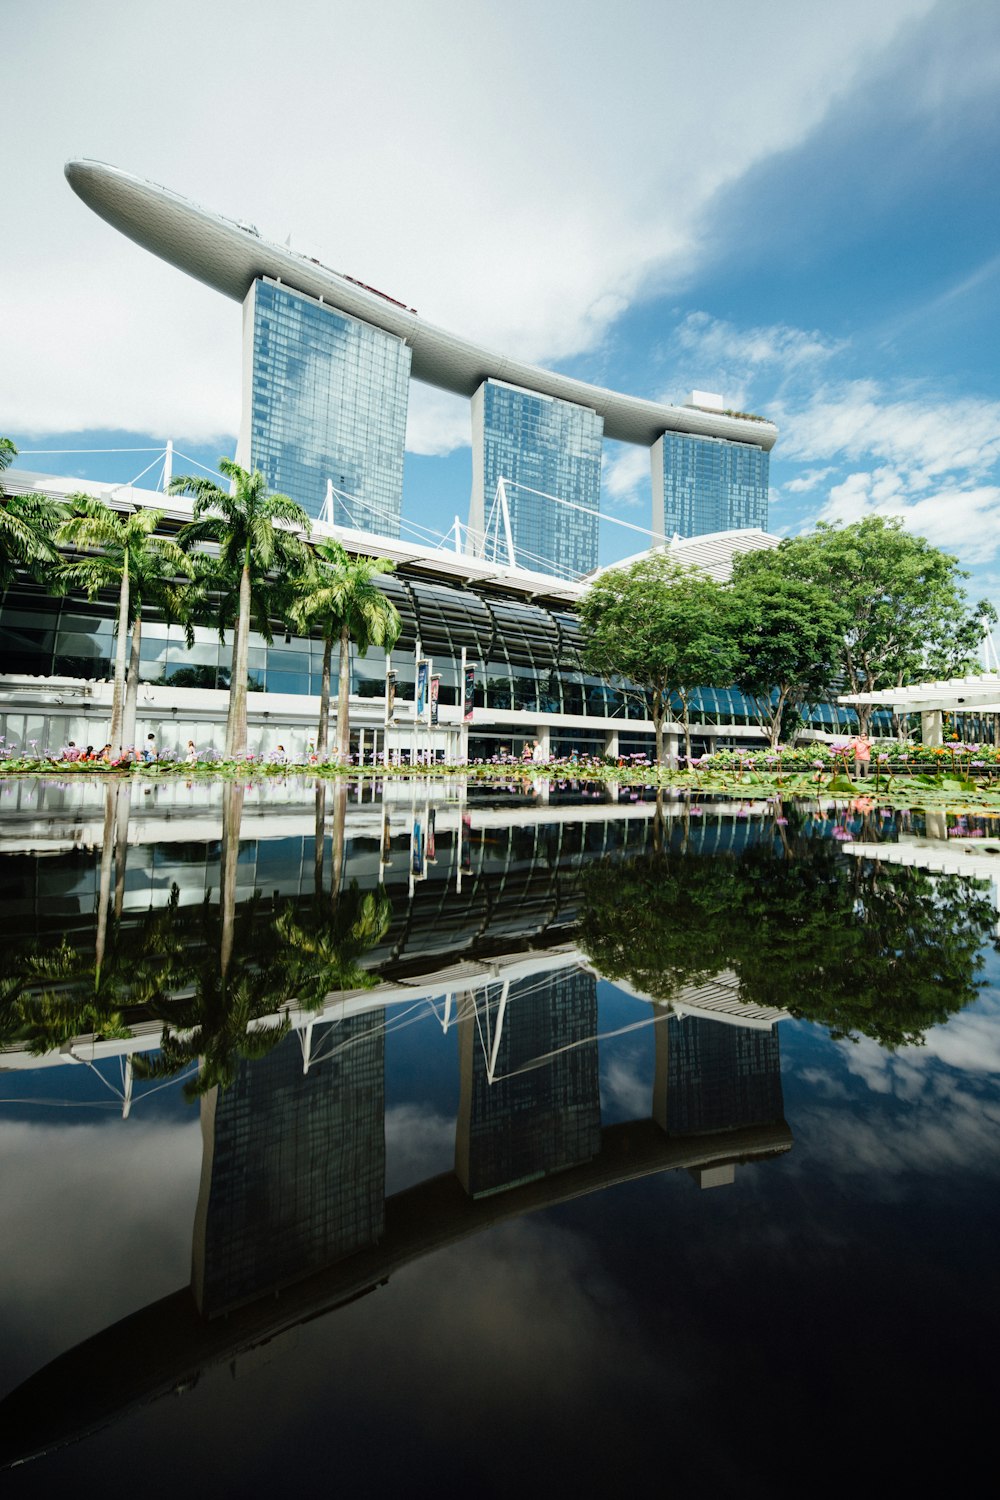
{"x": 532, "y": 1104}
{"x": 702, "y": 485}
{"x": 295, "y": 1164}
{"x": 525, "y": 656}
{"x": 327, "y": 400}
{"x": 547, "y": 445}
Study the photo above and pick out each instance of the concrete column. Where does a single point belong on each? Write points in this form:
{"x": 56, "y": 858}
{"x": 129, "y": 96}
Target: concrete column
{"x": 611, "y": 743}
{"x": 361, "y": 747}
{"x": 672, "y": 746}
{"x": 931, "y": 727}
{"x": 544, "y": 738}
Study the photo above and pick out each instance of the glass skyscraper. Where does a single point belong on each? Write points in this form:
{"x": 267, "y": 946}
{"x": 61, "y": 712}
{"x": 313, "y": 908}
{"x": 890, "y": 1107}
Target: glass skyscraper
{"x": 324, "y": 398}
{"x": 293, "y": 1173}
{"x": 549, "y": 446}
{"x": 536, "y": 1107}
{"x": 703, "y": 484}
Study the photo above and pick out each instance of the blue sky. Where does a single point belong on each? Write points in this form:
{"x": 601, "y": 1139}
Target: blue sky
{"x": 793, "y": 206}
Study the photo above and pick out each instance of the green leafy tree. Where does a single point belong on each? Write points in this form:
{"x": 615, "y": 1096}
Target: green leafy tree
{"x": 789, "y": 634}
{"x": 865, "y": 949}
{"x": 28, "y": 524}
{"x": 339, "y": 595}
{"x": 254, "y": 531}
{"x": 122, "y": 551}
{"x": 907, "y": 614}
{"x": 664, "y": 627}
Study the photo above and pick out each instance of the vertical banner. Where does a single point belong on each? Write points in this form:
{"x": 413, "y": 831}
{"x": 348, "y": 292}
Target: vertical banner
{"x": 466, "y": 861}
{"x": 417, "y": 852}
{"x": 469, "y": 694}
{"x": 435, "y": 695}
{"x": 421, "y": 688}
{"x": 431, "y": 836}
{"x": 390, "y": 695}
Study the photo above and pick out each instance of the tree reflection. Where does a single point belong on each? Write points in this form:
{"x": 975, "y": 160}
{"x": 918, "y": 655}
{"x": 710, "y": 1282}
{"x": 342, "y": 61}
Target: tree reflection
{"x": 863, "y": 948}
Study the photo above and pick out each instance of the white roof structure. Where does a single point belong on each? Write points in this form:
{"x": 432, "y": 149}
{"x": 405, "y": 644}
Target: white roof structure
{"x": 230, "y": 256}
{"x": 713, "y": 553}
{"x": 979, "y": 693}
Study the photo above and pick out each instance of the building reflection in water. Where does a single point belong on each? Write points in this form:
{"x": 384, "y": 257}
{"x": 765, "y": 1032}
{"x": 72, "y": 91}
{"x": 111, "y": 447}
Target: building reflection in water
{"x": 293, "y": 1175}
{"x": 293, "y": 1167}
{"x": 530, "y": 1094}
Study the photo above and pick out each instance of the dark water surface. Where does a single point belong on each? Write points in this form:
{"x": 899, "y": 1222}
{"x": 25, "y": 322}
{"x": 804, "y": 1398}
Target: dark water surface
{"x": 504, "y": 1141}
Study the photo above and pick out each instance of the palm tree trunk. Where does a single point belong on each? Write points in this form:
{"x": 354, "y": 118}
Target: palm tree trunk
{"x": 236, "y": 724}
{"x": 104, "y": 884}
{"x": 343, "y": 698}
{"x": 232, "y": 816}
{"x": 132, "y": 683}
{"x": 118, "y": 698}
{"x": 319, "y": 840}
{"x": 322, "y": 735}
{"x": 337, "y": 850}
{"x": 124, "y": 791}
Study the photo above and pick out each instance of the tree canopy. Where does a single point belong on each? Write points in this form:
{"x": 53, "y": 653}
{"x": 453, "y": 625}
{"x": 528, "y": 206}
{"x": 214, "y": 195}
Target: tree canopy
{"x": 863, "y": 948}
{"x": 255, "y": 533}
{"x": 27, "y": 527}
{"x": 789, "y": 632}
{"x": 665, "y": 627}
{"x": 905, "y": 611}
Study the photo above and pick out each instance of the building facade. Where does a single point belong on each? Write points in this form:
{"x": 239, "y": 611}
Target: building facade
{"x": 324, "y": 407}
{"x": 542, "y": 448}
{"x": 703, "y": 485}
{"x": 326, "y": 361}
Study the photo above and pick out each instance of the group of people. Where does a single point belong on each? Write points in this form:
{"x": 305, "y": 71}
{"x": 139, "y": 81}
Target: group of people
{"x": 106, "y": 755}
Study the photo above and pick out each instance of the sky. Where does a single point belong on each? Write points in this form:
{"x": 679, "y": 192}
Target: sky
{"x": 791, "y": 205}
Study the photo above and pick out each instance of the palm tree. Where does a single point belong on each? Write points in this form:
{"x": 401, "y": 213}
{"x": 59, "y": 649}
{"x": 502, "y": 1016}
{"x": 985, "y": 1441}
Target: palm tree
{"x": 243, "y": 524}
{"x": 320, "y": 955}
{"x": 27, "y": 527}
{"x": 123, "y": 552}
{"x": 339, "y": 594}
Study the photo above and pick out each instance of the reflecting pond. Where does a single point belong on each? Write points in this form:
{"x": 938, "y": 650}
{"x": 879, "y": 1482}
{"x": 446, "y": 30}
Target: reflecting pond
{"x": 434, "y": 1134}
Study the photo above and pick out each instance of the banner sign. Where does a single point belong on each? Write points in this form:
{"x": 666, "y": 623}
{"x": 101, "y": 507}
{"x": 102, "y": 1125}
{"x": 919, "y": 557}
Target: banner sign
{"x": 417, "y": 852}
{"x": 421, "y": 689}
{"x": 469, "y": 694}
{"x": 390, "y": 695}
{"x": 431, "y": 837}
{"x": 467, "y": 843}
{"x": 435, "y": 694}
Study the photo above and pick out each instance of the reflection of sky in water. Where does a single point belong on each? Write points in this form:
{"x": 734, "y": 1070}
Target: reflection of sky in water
{"x": 654, "y": 1331}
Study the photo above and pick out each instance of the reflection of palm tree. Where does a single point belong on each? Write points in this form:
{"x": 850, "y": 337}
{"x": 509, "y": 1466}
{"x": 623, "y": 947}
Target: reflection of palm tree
{"x": 321, "y": 956}
{"x": 235, "y": 983}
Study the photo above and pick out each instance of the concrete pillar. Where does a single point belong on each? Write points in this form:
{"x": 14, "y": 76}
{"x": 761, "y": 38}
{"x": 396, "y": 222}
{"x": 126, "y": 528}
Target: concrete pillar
{"x": 361, "y": 747}
{"x": 931, "y": 727}
{"x": 611, "y": 744}
{"x": 544, "y": 738}
{"x": 671, "y": 748}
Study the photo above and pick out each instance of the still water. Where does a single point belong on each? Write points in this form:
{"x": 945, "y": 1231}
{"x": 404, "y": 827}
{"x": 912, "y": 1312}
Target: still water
{"x": 427, "y": 1136}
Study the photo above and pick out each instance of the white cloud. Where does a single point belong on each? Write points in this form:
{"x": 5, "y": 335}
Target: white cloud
{"x": 437, "y": 422}
{"x": 521, "y": 194}
{"x": 720, "y": 344}
{"x": 810, "y": 480}
{"x": 625, "y": 480}
{"x": 965, "y": 521}
{"x": 920, "y": 434}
